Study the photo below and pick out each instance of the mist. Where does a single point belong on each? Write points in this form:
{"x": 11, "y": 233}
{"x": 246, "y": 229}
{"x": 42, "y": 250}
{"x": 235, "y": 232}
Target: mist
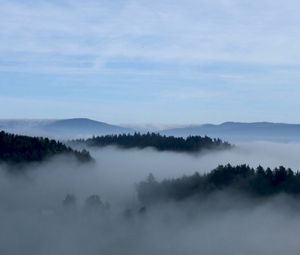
{"x": 34, "y": 221}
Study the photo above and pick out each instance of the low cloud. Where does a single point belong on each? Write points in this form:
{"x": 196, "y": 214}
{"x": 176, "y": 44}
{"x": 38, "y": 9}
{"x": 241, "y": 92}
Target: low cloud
{"x": 34, "y": 221}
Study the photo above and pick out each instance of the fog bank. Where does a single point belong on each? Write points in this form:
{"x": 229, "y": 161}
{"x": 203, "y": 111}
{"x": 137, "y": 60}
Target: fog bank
{"x": 34, "y": 221}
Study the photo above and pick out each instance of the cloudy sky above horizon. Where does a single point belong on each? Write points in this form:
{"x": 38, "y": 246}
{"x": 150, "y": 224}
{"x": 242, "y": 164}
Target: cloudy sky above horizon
{"x": 160, "y": 61}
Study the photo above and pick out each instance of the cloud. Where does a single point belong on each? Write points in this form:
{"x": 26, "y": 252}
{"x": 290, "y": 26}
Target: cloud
{"x": 188, "y": 31}
{"x": 33, "y": 220}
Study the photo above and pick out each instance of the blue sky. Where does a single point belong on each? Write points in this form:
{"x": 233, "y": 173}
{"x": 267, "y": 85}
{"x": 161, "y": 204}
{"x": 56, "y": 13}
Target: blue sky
{"x": 159, "y": 61}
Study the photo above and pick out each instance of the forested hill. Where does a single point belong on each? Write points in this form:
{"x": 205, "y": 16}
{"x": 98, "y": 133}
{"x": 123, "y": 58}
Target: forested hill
{"x": 159, "y": 142}
{"x": 241, "y": 179}
{"x": 21, "y": 149}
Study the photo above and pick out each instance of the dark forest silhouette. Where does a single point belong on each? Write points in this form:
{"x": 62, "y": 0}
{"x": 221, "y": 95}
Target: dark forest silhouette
{"x": 21, "y": 149}
{"x": 157, "y": 141}
{"x": 243, "y": 179}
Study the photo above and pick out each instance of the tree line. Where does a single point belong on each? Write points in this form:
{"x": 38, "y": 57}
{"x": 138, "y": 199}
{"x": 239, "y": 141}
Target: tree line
{"x": 257, "y": 182}
{"x": 21, "y": 149}
{"x": 157, "y": 141}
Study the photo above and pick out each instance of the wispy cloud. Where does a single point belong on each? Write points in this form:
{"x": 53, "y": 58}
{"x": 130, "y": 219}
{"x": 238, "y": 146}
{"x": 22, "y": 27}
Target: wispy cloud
{"x": 188, "y": 31}
{"x": 138, "y": 53}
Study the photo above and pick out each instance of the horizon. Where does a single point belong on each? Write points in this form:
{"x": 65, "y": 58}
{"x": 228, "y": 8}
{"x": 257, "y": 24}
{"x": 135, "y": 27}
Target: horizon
{"x": 151, "y": 126}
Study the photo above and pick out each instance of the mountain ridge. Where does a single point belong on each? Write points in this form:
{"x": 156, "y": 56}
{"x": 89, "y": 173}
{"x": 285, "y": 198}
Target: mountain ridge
{"x": 241, "y": 131}
{"x": 84, "y": 127}
{"x": 61, "y": 128}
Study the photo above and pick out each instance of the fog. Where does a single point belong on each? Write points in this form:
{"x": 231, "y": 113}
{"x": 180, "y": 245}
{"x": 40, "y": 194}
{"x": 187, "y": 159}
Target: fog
{"x": 34, "y": 221}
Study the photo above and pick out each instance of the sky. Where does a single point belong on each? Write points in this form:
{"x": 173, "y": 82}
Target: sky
{"x": 159, "y": 61}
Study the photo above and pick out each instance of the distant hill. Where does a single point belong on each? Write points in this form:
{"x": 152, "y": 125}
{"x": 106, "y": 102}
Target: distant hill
{"x": 65, "y": 128}
{"x": 16, "y": 149}
{"x": 84, "y": 127}
{"x": 242, "y": 132}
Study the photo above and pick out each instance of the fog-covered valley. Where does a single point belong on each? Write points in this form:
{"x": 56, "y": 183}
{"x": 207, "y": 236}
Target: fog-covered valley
{"x": 34, "y": 219}
{"x": 135, "y": 127}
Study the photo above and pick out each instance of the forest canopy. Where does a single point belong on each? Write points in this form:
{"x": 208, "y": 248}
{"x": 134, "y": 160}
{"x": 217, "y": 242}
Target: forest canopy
{"x": 157, "y": 141}
{"x": 242, "y": 179}
{"x": 16, "y": 149}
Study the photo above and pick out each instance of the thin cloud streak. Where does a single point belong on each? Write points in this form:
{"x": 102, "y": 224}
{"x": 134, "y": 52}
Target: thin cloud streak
{"x": 190, "y": 31}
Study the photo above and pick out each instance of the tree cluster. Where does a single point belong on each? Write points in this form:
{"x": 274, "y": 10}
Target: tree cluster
{"x": 159, "y": 142}
{"x": 243, "y": 179}
{"x": 92, "y": 203}
{"x": 21, "y": 149}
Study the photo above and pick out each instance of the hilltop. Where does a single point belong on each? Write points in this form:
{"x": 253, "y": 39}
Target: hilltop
{"x": 16, "y": 149}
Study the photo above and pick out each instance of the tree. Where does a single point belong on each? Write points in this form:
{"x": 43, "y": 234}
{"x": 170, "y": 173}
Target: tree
{"x": 69, "y": 202}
